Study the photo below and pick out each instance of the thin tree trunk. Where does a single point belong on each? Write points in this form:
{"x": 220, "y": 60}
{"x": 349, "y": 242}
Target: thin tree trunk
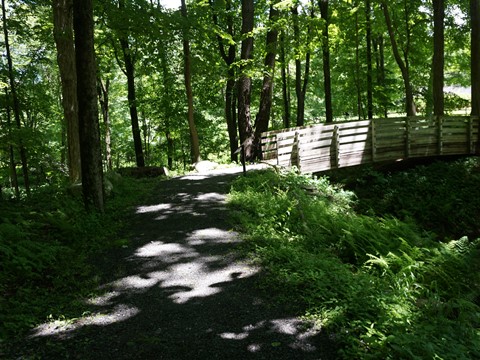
{"x": 357, "y": 68}
{"x": 244, "y": 86}
{"x": 475, "y": 57}
{"x": 63, "y": 34}
{"x": 368, "y": 10}
{"x": 263, "y": 115}
{"x": 229, "y": 58}
{"x": 438, "y": 56}
{"x": 12, "y": 164}
{"x": 285, "y": 82}
{"x": 194, "y": 142}
{"x": 380, "y": 66}
{"x": 324, "y": 12}
{"x": 16, "y": 103}
{"x": 169, "y": 149}
{"x": 103, "y": 92}
{"x": 91, "y": 155}
{"x": 403, "y": 65}
{"x": 132, "y": 96}
{"x": 132, "y": 102}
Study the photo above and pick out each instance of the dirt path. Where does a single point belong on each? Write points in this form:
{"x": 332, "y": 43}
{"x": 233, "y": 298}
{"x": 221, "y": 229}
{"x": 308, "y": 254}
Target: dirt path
{"x": 179, "y": 291}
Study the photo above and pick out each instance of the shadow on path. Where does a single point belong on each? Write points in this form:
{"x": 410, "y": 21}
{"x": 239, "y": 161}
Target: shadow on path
{"x": 179, "y": 291}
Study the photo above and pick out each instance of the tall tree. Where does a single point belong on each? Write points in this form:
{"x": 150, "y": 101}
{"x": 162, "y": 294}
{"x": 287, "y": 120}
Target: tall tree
{"x": 368, "y": 39}
{"x": 263, "y": 115}
{"x": 16, "y": 102}
{"x": 90, "y": 149}
{"x": 103, "y": 97}
{"x": 63, "y": 35}
{"x": 324, "y": 12}
{"x": 194, "y": 142}
{"x": 403, "y": 64}
{"x": 11, "y": 155}
{"x": 301, "y": 87}
{"x": 129, "y": 71}
{"x": 244, "y": 86}
{"x": 285, "y": 81}
{"x": 228, "y": 57}
{"x": 475, "y": 58}
{"x": 438, "y": 56}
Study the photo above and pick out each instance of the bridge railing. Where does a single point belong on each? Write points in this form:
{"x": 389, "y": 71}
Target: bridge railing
{"x": 321, "y": 147}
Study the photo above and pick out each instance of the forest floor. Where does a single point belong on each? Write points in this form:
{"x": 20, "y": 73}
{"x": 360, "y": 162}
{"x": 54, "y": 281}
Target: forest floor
{"x": 180, "y": 289}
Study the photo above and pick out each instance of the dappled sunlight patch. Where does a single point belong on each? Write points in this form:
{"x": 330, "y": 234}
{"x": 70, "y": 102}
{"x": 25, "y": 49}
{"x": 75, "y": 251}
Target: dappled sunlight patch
{"x": 233, "y": 336}
{"x": 66, "y": 327}
{"x": 134, "y": 282}
{"x": 213, "y": 196}
{"x": 300, "y": 331}
{"x": 153, "y": 208}
{"x": 158, "y": 248}
{"x": 212, "y": 235}
{"x": 103, "y": 300}
{"x": 198, "y": 279}
{"x": 194, "y": 177}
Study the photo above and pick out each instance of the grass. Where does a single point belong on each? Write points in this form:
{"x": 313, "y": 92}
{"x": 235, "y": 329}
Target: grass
{"x": 46, "y": 243}
{"x": 376, "y": 267}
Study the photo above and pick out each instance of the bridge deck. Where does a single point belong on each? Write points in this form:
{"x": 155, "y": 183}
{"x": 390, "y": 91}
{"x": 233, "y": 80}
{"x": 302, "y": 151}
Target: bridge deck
{"x": 322, "y": 147}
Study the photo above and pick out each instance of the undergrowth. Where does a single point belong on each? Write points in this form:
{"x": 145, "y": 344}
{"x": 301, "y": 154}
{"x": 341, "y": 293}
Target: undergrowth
{"x": 45, "y": 245}
{"x": 384, "y": 286}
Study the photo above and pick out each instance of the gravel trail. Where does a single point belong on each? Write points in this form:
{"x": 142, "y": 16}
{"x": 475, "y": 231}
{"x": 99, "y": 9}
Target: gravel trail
{"x": 181, "y": 291}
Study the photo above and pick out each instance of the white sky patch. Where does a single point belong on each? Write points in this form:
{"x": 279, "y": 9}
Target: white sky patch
{"x": 170, "y": 4}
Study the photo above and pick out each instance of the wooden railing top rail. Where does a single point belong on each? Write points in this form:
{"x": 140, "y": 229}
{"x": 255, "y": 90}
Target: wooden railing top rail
{"x": 321, "y": 147}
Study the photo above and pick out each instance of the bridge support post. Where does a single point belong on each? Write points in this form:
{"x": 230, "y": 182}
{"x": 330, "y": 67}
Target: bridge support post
{"x": 335, "y": 148}
{"x": 407, "y": 137}
{"x": 439, "y": 121}
{"x": 373, "y": 140}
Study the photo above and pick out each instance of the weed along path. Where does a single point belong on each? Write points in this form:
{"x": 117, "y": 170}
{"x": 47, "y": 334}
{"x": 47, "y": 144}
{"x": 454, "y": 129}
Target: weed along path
{"x": 179, "y": 290}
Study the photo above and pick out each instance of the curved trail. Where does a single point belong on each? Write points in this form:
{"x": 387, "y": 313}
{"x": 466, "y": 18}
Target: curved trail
{"x": 180, "y": 291}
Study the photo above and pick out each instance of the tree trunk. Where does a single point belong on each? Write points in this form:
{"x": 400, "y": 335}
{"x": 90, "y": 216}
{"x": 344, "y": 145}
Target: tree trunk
{"x": 285, "y": 83}
{"x": 132, "y": 96}
{"x": 169, "y": 149}
{"x": 324, "y": 12}
{"x": 360, "y": 113}
{"x": 378, "y": 45}
{"x": 194, "y": 142}
{"x": 475, "y": 60}
{"x": 229, "y": 58}
{"x": 63, "y": 34}
{"x": 12, "y": 164}
{"x": 230, "y": 114}
{"x": 404, "y": 68}
{"x": 263, "y": 116}
{"x": 368, "y": 19}
{"x": 244, "y": 86}
{"x": 438, "y": 56}
{"x": 132, "y": 102}
{"x": 91, "y": 156}
{"x": 16, "y": 102}
{"x": 103, "y": 89}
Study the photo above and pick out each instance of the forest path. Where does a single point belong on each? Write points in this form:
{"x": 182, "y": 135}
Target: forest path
{"x": 181, "y": 291}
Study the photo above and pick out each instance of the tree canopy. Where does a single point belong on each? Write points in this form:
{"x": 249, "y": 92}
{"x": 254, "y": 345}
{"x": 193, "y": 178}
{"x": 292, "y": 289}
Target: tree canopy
{"x": 248, "y": 67}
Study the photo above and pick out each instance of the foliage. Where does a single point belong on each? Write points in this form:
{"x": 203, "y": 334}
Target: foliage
{"x": 381, "y": 286}
{"x": 45, "y": 244}
{"x": 442, "y": 197}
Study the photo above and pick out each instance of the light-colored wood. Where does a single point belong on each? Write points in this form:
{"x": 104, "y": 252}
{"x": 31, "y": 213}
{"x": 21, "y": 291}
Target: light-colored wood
{"x": 321, "y": 147}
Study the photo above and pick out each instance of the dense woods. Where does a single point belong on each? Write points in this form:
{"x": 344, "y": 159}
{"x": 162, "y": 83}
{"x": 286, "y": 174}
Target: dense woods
{"x": 89, "y": 88}
{"x": 189, "y": 85}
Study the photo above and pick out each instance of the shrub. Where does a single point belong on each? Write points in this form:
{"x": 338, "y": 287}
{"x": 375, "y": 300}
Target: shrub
{"x": 384, "y": 287}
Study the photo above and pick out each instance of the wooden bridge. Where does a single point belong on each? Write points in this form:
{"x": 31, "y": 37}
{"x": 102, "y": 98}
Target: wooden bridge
{"x": 322, "y": 147}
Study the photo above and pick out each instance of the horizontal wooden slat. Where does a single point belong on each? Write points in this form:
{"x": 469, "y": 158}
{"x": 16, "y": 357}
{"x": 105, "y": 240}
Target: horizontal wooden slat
{"x": 351, "y": 143}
